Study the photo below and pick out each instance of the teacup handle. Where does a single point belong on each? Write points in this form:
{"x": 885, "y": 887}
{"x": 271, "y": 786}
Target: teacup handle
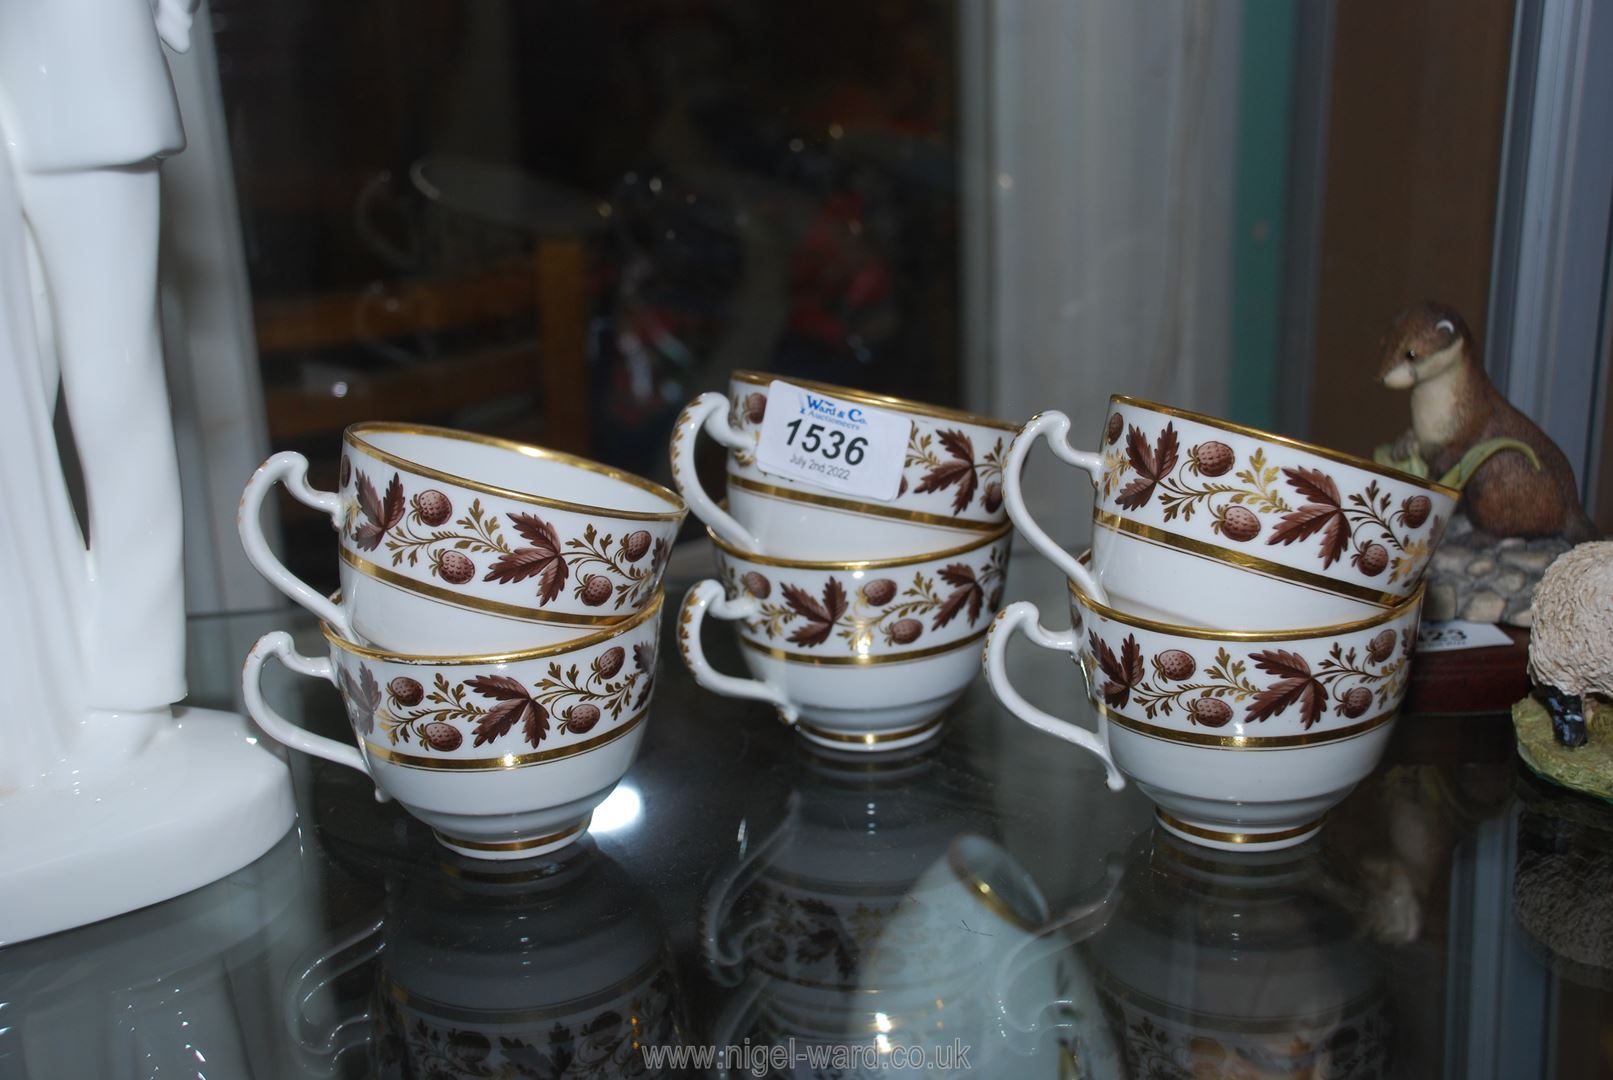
{"x": 1055, "y": 427}
{"x": 709, "y": 594}
{"x": 290, "y": 468}
{"x": 310, "y": 974}
{"x": 723, "y": 959}
{"x": 708, "y": 412}
{"x": 1022, "y": 616}
{"x": 278, "y": 643}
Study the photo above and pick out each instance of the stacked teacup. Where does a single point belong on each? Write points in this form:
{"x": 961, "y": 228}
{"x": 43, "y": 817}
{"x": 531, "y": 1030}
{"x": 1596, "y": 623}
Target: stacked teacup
{"x": 494, "y": 639}
{"x": 860, "y": 556}
{"x": 1245, "y": 619}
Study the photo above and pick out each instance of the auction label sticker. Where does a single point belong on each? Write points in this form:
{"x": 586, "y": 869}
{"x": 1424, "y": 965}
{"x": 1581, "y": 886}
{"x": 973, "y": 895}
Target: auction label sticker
{"x": 1458, "y": 634}
{"x": 833, "y": 443}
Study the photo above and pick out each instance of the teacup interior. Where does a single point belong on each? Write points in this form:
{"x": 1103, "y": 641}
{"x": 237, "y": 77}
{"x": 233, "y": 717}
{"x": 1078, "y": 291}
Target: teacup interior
{"x": 519, "y": 469}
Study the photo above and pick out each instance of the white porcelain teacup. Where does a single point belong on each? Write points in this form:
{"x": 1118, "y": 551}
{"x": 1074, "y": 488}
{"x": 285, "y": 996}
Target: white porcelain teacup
{"x": 504, "y": 756}
{"x": 857, "y": 655}
{"x": 455, "y": 543}
{"x": 1242, "y": 739}
{"x": 950, "y": 490}
{"x": 1204, "y": 522}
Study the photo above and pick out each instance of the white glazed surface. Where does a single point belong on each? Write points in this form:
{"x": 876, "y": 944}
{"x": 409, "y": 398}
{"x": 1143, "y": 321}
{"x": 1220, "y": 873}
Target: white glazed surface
{"x": 1239, "y": 739}
{"x": 862, "y": 655}
{"x": 518, "y": 549}
{"x": 505, "y": 757}
{"x": 951, "y": 481}
{"x": 1251, "y": 530}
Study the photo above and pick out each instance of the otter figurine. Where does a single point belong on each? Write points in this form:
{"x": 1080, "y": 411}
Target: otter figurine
{"x": 1454, "y": 406}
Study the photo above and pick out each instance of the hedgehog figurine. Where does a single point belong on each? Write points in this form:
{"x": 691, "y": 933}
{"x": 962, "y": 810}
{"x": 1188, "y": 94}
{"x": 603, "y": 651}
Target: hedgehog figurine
{"x": 1571, "y": 645}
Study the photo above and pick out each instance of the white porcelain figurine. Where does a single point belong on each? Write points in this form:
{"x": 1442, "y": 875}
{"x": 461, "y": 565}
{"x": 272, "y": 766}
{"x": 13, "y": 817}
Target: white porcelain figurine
{"x": 93, "y": 643}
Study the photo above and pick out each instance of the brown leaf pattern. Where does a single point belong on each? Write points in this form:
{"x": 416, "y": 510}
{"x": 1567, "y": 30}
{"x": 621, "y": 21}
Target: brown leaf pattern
{"x": 362, "y": 696}
{"x": 820, "y": 618}
{"x": 960, "y": 470}
{"x": 540, "y": 558}
{"x": 965, "y": 590}
{"x": 515, "y": 706}
{"x": 1122, "y": 673}
{"x": 1322, "y": 513}
{"x": 1295, "y": 685}
{"x": 379, "y": 514}
{"x": 1152, "y": 464}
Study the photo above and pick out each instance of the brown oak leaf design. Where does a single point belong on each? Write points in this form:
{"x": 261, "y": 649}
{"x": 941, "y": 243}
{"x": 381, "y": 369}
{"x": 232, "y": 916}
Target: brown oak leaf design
{"x": 515, "y": 706}
{"x": 1295, "y": 685}
{"x": 820, "y": 618}
{"x": 965, "y": 590}
{"x": 1153, "y": 464}
{"x": 362, "y": 696}
{"x": 644, "y": 660}
{"x": 960, "y": 470}
{"x": 380, "y": 514}
{"x": 1322, "y": 510}
{"x": 541, "y": 558}
{"x": 1122, "y": 673}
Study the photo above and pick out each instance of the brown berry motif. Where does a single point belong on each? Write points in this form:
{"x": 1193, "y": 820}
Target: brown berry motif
{"x": 603, "y": 570}
{"x": 1207, "y": 691}
{"x": 875, "y": 610}
{"x": 488, "y": 707}
{"x": 1259, "y": 500}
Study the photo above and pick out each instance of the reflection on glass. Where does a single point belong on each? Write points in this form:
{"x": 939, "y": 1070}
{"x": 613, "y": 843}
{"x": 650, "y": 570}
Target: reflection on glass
{"x": 874, "y": 918}
{"x": 1239, "y": 964}
{"x": 542, "y": 970}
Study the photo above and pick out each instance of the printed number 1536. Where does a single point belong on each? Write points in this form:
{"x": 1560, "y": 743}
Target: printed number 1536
{"x": 828, "y": 443}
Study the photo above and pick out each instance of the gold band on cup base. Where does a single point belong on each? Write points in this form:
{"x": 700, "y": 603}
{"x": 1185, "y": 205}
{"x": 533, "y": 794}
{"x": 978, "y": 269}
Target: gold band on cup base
{"x": 1244, "y": 561}
{"x": 1216, "y": 835}
{"x": 513, "y": 845}
{"x": 918, "y": 517}
{"x": 881, "y": 738}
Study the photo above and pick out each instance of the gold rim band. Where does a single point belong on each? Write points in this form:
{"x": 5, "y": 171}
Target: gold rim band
{"x": 1237, "y": 837}
{"x": 1304, "y": 633}
{"x": 1339, "y": 456}
{"x": 1244, "y": 561}
{"x": 514, "y": 845}
{"x": 353, "y": 436}
{"x": 998, "y": 533}
{"x": 872, "y": 738}
{"x": 506, "y": 762}
{"x": 443, "y": 1011}
{"x": 988, "y": 896}
{"x": 1244, "y": 742}
{"x": 632, "y": 622}
{"x": 866, "y": 509}
{"x": 475, "y": 603}
{"x": 863, "y": 661}
{"x": 883, "y": 401}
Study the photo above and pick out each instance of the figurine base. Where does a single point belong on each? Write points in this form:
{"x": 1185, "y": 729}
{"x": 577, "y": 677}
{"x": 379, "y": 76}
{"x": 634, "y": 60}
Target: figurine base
{"x": 1587, "y": 769}
{"x": 202, "y": 800}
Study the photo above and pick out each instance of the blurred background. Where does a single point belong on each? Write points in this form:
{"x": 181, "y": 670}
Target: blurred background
{"x": 559, "y": 222}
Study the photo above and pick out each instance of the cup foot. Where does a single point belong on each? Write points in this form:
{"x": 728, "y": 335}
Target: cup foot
{"x": 520, "y": 847}
{"x": 871, "y": 742}
{"x": 1225, "y": 836}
